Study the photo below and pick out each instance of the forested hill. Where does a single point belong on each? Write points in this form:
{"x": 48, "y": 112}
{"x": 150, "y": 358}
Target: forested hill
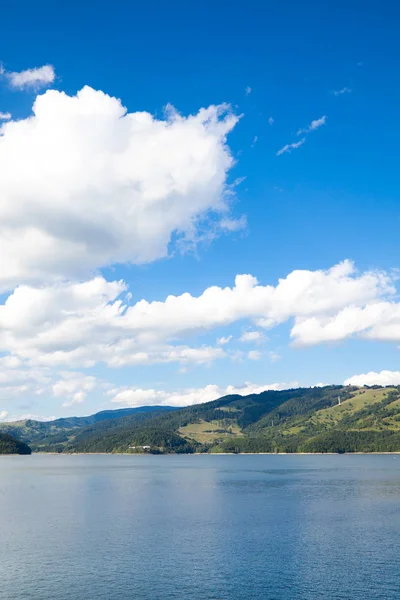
{"x": 298, "y": 420}
{"x": 54, "y": 436}
{"x": 9, "y": 445}
{"x": 323, "y": 419}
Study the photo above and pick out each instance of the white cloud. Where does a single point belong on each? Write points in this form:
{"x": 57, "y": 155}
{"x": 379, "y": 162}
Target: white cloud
{"x": 255, "y": 140}
{"x": 383, "y": 378}
{"x": 231, "y": 225}
{"x": 271, "y": 121}
{"x": 290, "y": 147}
{"x": 18, "y": 380}
{"x": 247, "y": 90}
{"x": 81, "y": 324}
{"x": 254, "y": 355}
{"x": 3, "y": 415}
{"x": 85, "y": 184}
{"x": 5, "y": 116}
{"x": 142, "y": 397}
{"x": 29, "y": 416}
{"x": 344, "y": 90}
{"x": 252, "y": 336}
{"x": 316, "y": 124}
{"x": 222, "y": 341}
{"x": 73, "y": 386}
{"x": 120, "y": 357}
{"x": 32, "y": 78}
{"x": 376, "y": 320}
{"x": 274, "y": 356}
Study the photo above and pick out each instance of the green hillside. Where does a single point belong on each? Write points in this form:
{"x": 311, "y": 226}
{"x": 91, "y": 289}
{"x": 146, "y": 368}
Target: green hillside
{"x": 324, "y": 419}
{"x": 300, "y": 420}
{"x": 9, "y": 445}
{"x": 54, "y": 436}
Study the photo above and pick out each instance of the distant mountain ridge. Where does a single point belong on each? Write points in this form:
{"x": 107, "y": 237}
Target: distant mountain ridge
{"x": 321, "y": 419}
{"x": 52, "y": 435}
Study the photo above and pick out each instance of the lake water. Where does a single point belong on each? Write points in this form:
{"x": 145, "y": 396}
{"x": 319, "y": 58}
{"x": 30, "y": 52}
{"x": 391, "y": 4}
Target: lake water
{"x": 200, "y": 527}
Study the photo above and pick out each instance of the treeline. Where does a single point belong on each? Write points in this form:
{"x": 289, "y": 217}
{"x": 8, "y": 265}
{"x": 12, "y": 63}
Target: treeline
{"x": 338, "y": 442}
{"x": 353, "y": 441}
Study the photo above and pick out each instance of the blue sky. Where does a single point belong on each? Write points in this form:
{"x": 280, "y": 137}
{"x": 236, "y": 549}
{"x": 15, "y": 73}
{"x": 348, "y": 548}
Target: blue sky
{"x": 280, "y": 66}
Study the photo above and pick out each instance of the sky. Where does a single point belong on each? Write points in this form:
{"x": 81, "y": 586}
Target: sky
{"x": 195, "y": 200}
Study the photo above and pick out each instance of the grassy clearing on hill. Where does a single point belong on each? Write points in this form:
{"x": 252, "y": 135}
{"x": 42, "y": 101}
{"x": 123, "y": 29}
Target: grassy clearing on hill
{"x": 206, "y": 432}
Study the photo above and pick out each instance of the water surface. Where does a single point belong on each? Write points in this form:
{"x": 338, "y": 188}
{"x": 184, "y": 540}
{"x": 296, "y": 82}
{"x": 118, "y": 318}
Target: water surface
{"x": 200, "y": 527}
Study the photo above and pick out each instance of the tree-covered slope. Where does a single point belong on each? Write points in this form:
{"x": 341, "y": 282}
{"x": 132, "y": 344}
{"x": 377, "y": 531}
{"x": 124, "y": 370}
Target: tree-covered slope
{"x": 320, "y": 419}
{"x": 9, "y": 445}
{"x": 55, "y": 435}
{"x": 299, "y": 420}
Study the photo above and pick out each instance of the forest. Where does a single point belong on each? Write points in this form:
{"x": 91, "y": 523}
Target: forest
{"x": 319, "y": 419}
{"x": 9, "y": 445}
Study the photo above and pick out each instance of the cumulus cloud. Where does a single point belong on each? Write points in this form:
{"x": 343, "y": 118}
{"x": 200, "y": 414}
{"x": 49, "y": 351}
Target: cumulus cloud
{"x": 17, "y": 379}
{"x": 222, "y": 341}
{"x": 86, "y": 184}
{"x": 5, "y": 116}
{"x": 290, "y": 147}
{"x": 252, "y": 336}
{"x": 3, "y": 415}
{"x": 28, "y": 416}
{"x": 141, "y": 397}
{"x": 254, "y": 355}
{"x": 376, "y": 320}
{"x": 70, "y": 325}
{"x": 316, "y": 124}
{"x": 382, "y": 378}
{"x": 73, "y": 386}
{"x": 32, "y": 78}
{"x": 80, "y": 324}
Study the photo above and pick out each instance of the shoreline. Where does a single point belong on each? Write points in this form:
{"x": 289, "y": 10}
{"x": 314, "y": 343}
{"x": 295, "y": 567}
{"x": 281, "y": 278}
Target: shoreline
{"x": 208, "y": 454}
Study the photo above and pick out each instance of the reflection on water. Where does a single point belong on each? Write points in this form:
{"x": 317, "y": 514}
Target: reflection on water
{"x": 201, "y": 527}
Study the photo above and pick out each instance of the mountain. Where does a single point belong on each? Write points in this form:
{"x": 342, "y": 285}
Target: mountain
{"x": 53, "y": 436}
{"x": 9, "y": 445}
{"x": 298, "y": 420}
{"x": 320, "y": 419}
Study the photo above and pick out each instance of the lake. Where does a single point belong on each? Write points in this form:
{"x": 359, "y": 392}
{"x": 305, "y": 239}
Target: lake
{"x": 200, "y": 527}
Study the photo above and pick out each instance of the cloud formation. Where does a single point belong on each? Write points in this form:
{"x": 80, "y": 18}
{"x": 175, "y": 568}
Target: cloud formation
{"x": 31, "y": 78}
{"x": 73, "y": 386}
{"x": 344, "y": 90}
{"x": 290, "y": 147}
{"x": 85, "y": 185}
{"x": 132, "y": 397}
{"x": 81, "y": 324}
{"x": 316, "y": 124}
{"x": 76, "y": 325}
{"x": 383, "y": 378}
{"x": 5, "y": 116}
{"x": 252, "y": 336}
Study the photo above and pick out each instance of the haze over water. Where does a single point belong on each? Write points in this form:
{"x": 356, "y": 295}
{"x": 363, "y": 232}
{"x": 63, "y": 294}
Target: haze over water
{"x": 201, "y": 527}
